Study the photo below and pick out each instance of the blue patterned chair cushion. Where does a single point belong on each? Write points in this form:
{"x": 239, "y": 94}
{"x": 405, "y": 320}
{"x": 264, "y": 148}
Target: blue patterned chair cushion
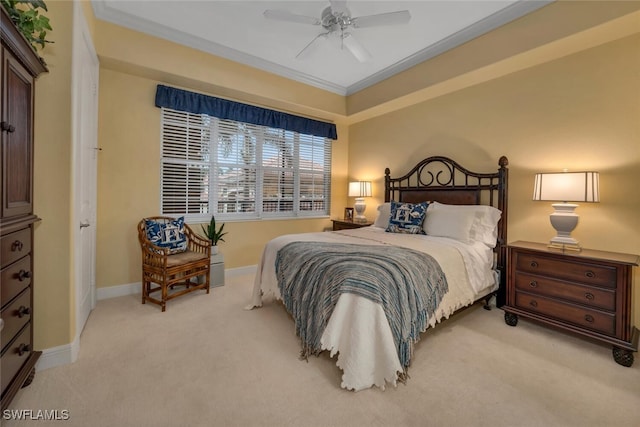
{"x": 407, "y": 217}
{"x": 168, "y": 235}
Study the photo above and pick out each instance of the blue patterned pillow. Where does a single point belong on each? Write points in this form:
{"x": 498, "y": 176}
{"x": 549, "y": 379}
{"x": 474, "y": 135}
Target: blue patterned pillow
{"x": 407, "y": 217}
{"x": 168, "y": 235}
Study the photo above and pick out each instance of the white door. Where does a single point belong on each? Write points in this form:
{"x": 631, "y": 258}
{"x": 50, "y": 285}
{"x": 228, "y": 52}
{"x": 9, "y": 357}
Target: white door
{"x": 85, "y": 130}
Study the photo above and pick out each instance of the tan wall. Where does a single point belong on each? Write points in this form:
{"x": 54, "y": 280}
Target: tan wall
{"x": 53, "y": 262}
{"x": 129, "y": 183}
{"x": 580, "y": 112}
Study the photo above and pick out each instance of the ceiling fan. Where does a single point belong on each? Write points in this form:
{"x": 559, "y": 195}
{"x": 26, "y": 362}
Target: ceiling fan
{"x": 337, "y": 21}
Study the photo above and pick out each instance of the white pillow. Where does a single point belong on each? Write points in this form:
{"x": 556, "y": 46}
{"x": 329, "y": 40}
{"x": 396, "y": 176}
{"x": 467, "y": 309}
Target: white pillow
{"x": 485, "y": 225}
{"x": 455, "y": 224}
{"x": 383, "y": 215}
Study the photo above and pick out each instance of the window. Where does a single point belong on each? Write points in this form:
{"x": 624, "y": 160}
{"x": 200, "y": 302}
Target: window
{"x": 238, "y": 170}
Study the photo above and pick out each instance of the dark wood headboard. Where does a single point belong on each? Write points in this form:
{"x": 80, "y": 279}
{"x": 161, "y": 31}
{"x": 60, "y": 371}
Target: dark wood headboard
{"x": 444, "y": 180}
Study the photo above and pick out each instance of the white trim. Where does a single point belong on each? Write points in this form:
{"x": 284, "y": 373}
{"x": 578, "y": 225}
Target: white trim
{"x": 135, "y": 288}
{"x": 491, "y": 22}
{"x": 81, "y": 42}
{"x": 119, "y": 290}
{"x": 104, "y": 12}
{"x": 59, "y": 356}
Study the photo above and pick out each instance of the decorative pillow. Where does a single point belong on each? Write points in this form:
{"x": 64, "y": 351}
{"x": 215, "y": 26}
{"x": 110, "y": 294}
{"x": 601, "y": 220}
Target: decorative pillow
{"x": 382, "y": 218}
{"x": 407, "y": 217}
{"x": 168, "y": 235}
{"x": 485, "y": 224}
{"x": 455, "y": 224}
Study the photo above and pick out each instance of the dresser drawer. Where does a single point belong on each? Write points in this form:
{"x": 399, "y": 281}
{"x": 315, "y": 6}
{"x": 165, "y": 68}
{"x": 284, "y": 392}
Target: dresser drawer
{"x": 590, "y": 296}
{"x": 15, "y": 355}
{"x": 15, "y": 278}
{"x": 15, "y": 316}
{"x": 580, "y": 316}
{"x": 14, "y": 246}
{"x": 576, "y": 271}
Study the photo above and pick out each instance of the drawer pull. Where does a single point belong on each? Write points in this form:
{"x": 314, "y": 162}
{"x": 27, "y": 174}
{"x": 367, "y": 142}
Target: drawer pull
{"x": 23, "y": 311}
{"x": 589, "y": 296}
{"x": 16, "y": 246}
{"x": 23, "y": 274}
{"x": 23, "y": 348}
{"x": 590, "y": 274}
{"x": 533, "y": 264}
{"x": 533, "y": 303}
{"x": 533, "y": 284}
{"x": 588, "y": 318}
{"x": 5, "y": 126}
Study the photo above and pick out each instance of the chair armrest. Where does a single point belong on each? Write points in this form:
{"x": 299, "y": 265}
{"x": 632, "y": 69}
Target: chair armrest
{"x": 152, "y": 249}
{"x": 195, "y": 242}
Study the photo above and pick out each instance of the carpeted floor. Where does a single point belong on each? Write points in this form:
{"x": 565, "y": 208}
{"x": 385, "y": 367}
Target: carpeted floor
{"x": 208, "y": 362}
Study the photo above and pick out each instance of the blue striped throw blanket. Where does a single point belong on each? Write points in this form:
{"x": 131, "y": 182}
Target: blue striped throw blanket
{"x": 408, "y": 284}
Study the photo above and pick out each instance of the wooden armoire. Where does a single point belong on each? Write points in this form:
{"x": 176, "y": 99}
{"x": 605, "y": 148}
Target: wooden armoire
{"x": 19, "y": 67}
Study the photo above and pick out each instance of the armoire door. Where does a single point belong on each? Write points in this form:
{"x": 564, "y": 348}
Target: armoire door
{"x": 17, "y": 146}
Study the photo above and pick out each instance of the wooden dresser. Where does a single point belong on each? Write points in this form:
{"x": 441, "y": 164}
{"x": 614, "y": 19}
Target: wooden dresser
{"x": 19, "y": 67}
{"x": 587, "y": 292}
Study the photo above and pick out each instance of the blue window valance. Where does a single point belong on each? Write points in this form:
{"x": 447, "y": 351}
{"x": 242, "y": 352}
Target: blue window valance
{"x": 197, "y": 103}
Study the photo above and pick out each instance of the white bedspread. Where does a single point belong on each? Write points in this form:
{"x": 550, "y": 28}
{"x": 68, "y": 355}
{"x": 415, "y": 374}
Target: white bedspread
{"x": 358, "y": 330}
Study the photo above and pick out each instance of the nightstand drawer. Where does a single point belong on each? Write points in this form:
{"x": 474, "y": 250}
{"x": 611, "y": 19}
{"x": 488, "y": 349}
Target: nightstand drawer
{"x": 583, "y": 272}
{"x": 590, "y": 296}
{"x": 583, "y": 317}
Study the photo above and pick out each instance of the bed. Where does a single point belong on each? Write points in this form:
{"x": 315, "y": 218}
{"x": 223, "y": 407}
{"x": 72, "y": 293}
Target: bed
{"x": 438, "y": 244}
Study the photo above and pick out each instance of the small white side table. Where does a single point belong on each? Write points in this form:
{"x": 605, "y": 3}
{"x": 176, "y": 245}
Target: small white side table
{"x": 216, "y": 276}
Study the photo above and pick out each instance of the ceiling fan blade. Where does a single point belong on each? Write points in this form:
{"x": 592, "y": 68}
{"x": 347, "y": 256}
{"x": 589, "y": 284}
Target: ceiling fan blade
{"x": 338, "y": 6}
{"x": 390, "y": 18}
{"x": 283, "y": 15}
{"x": 356, "y": 48}
{"x": 309, "y": 47}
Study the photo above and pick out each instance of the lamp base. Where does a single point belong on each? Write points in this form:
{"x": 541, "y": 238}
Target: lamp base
{"x": 360, "y": 207}
{"x": 564, "y": 220}
{"x": 574, "y": 247}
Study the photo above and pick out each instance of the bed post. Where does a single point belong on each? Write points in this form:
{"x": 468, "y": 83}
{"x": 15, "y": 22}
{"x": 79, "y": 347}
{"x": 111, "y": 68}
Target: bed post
{"x": 503, "y": 205}
{"x": 387, "y": 185}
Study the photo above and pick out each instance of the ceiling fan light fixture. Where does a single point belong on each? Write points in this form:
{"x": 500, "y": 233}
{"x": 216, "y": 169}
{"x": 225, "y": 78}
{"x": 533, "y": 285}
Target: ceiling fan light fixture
{"x": 337, "y": 17}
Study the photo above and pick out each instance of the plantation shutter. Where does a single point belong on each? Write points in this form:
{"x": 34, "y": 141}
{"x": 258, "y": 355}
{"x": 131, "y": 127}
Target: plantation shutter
{"x": 238, "y": 170}
{"x": 185, "y": 163}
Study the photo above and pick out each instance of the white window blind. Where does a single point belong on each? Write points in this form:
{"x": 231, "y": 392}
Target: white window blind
{"x": 241, "y": 171}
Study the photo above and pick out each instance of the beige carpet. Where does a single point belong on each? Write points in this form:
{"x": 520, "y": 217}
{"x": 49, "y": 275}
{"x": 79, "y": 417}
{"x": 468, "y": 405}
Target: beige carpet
{"x": 208, "y": 362}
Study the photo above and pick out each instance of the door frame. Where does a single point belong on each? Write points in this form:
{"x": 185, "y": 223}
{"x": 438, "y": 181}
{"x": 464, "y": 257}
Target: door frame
{"x": 81, "y": 40}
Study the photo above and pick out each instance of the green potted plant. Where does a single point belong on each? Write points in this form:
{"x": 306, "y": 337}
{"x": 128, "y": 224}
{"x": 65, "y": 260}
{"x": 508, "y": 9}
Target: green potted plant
{"x": 213, "y": 233}
{"x": 26, "y": 15}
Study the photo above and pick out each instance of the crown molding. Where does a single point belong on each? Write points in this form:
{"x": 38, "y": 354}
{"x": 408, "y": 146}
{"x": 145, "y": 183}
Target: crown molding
{"x": 516, "y": 10}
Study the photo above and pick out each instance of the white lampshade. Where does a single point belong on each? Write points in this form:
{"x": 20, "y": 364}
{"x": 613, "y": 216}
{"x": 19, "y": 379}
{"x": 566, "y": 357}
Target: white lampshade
{"x": 360, "y": 190}
{"x": 566, "y": 187}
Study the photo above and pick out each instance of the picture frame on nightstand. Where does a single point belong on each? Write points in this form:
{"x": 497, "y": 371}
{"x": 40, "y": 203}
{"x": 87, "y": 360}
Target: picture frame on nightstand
{"x": 348, "y": 214}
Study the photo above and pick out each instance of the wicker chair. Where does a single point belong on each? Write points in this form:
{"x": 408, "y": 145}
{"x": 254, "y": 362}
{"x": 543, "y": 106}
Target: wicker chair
{"x": 167, "y": 270}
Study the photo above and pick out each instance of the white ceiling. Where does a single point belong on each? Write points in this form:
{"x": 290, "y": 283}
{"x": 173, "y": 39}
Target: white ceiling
{"x": 237, "y": 30}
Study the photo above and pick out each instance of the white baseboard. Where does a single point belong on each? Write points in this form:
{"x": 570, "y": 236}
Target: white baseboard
{"x": 58, "y": 356}
{"x": 118, "y": 291}
{"x": 68, "y": 353}
{"x": 134, "y": 288}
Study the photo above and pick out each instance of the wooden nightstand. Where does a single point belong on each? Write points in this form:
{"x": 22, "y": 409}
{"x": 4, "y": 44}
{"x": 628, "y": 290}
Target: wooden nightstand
{"x": 339, "y": 224}
{"x": 587, "y": 292}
